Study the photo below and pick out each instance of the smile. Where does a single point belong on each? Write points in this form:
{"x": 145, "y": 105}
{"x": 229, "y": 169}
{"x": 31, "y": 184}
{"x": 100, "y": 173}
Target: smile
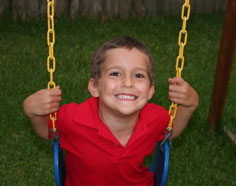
{"x": 126, "y": 97}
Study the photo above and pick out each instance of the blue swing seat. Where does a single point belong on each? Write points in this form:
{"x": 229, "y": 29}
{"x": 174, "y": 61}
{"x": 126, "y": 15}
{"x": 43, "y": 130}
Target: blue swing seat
{"x": 159, "y": 165}
{"x": 59, "y": 164}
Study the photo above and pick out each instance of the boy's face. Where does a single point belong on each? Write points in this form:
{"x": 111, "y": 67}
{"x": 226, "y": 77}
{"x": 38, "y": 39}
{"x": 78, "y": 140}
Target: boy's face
{"x": 124, "y": 85}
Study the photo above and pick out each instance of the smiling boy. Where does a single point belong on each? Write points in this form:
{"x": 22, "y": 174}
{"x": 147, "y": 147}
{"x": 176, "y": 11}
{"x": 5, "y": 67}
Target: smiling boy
{"x": 123, "y": 89}
{"x": 107, "y": 137}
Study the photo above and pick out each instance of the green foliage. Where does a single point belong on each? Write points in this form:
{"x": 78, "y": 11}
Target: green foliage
{"x": 198, "y": 156}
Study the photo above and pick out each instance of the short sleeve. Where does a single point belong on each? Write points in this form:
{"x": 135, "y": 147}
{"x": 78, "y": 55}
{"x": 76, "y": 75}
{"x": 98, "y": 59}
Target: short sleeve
{"x": 157, "y": 119}
{"x": 64, "y": 115}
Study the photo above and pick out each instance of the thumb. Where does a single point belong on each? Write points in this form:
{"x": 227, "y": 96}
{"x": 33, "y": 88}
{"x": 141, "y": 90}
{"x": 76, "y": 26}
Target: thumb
{"x": 56, "y": 92}
{"x": 170, "y": 80}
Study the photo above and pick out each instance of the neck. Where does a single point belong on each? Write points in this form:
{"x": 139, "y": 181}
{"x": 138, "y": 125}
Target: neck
{"x": 121, "y": 126}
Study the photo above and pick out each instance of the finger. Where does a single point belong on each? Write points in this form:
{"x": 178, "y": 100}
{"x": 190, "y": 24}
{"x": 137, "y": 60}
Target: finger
{"x": 175, "y": 80}
{"x": 55, "y": 99}
{"x": 54, "y": 106}
{"x": 176, "y": 95}
{"x": 177, "y": 100}
{"x": 170, "y": 80}
{"x": 52, "y": 110}
{"x": 50, "y": 99}
{"x": 175, "y": 88}
{"x": 55, "y": 92}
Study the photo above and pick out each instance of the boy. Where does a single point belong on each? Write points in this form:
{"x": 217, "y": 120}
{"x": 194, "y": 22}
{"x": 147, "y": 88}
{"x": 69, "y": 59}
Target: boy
{"x": 107, "y": 137}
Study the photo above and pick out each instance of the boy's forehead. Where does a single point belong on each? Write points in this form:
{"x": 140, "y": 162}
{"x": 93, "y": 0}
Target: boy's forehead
{"x": 124, "y": 56}
{"x": 122, "y": 50}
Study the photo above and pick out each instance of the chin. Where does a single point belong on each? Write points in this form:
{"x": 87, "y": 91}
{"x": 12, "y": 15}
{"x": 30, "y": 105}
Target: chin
{"x": 128, "y": 112}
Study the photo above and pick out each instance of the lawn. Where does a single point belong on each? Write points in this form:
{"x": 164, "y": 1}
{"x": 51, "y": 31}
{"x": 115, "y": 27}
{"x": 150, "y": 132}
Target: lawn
{"x": 198, "y": 157}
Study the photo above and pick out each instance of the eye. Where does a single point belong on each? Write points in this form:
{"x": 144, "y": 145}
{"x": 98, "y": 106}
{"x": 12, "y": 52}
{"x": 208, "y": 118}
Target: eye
{"x": 138, "y": 75}
{"x": 115, "y": 74}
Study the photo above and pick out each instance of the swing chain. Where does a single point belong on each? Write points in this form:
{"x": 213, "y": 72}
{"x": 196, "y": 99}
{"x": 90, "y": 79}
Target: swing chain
{"x": 51, "y": 61}
{"x": 167, "y": 136}
{"x": 182, "y": 41}
{"x": 55, "y": 135}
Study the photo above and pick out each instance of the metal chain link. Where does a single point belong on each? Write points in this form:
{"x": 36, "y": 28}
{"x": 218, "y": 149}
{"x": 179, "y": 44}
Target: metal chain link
{"x": 51, "y": 61}
{"x": 182, "y": 41}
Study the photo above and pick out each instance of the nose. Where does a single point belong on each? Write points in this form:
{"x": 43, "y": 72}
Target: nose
{"x": 127, "y": 81}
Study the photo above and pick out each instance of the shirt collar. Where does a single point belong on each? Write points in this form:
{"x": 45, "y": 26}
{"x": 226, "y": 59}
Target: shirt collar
{"x": 87, "y": 114}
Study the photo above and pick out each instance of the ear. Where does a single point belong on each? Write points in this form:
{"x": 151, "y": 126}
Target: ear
{"x": 151, "y": 91}
{"x": 92, "y": 87}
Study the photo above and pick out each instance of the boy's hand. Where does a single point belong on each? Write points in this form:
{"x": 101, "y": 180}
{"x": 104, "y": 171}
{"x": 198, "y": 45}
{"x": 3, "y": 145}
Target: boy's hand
{"x": 43, "y": 102}
{"x": 182, "y": 93}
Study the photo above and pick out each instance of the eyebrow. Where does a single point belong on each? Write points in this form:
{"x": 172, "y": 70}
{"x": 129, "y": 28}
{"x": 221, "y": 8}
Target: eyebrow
{"x": 119, "y": 68}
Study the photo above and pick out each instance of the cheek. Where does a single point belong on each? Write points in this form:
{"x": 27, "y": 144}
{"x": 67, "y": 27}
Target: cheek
{"x": 143, "y": 86}
{"x": 145, "y": 90}
{"x": 107, "y": 85}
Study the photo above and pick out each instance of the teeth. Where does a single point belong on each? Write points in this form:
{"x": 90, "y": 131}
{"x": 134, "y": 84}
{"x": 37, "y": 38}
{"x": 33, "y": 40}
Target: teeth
{"x": 126, "y": 97}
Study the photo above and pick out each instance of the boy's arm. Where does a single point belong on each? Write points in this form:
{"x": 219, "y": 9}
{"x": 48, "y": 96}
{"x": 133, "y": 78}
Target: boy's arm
{"x": 183, "y": 94}
{"x": 38, "y": 106}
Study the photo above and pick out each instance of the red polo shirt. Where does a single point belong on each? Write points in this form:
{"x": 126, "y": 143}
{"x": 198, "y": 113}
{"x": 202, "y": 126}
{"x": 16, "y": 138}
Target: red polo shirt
{"x": 95, "y": 157}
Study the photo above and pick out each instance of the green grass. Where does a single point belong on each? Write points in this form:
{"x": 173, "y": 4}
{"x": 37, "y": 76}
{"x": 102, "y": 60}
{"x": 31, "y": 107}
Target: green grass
{"x": 198, "y": 157}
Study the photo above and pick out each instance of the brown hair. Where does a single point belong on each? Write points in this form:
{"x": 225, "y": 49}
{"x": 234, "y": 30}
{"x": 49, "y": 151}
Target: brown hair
{"x": 120, "y": 42}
